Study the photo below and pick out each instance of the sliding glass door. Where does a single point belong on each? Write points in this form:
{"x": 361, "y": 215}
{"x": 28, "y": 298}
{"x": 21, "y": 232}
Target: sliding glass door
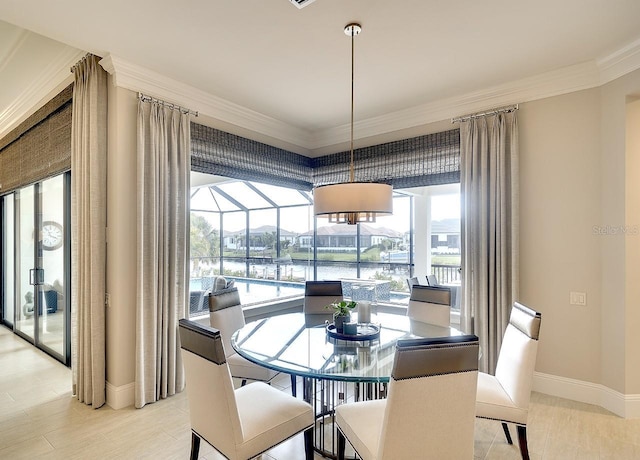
{"x": 7, "y": 286}
{"x": 25, "y": 262}
{"x": 36, "y": 266}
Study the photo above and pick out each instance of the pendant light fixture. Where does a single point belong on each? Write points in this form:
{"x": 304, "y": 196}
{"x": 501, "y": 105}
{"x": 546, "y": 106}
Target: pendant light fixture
{"x": 352, "y": 202}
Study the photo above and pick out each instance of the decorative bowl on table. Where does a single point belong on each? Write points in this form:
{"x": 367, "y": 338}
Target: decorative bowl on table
{"x": 364, "y": 331}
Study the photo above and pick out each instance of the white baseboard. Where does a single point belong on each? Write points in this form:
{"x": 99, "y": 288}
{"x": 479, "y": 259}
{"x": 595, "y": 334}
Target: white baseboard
{"x": 626, "y": 406}
{"x": 119, "y": 397}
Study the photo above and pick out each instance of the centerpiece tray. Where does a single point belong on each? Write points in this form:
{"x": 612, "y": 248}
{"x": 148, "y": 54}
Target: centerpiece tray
{"x": 366, "y": 331}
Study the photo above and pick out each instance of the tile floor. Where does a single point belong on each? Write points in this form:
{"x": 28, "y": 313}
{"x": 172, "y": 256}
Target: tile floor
{"x": 40, "y": 420}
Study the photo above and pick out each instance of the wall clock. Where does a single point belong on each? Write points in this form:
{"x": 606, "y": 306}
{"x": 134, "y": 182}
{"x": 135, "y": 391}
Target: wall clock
{"x": 52, "y": 235}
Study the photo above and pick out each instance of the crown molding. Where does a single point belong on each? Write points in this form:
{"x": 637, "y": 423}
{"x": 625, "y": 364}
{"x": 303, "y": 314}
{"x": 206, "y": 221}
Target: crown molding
{"x": 136, "y": 78}
{"x": 577, "y": 77}
{"x": 566, "y": 80}
{"x": 620, "y": 62}
{"x": 54, "y": 76}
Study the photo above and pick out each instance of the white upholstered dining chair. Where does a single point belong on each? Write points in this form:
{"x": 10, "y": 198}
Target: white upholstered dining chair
{"x": 225, "y": 314}
{"x": 505, "y": 396}
{"x": 429, "y": 410}
{"x": 242, "y": 423}
{"x": 430, "y": 305}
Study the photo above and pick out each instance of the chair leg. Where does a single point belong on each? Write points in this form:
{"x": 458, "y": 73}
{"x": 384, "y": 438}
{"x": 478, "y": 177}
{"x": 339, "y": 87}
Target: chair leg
{"x": 195, "y": 446}
{"x": 294, "y": 389}
{"x": 308, "y": 443}
{"x": 342, "y": 444}
{"x": 522, "y": 440}
{"x": 506, "y": 433}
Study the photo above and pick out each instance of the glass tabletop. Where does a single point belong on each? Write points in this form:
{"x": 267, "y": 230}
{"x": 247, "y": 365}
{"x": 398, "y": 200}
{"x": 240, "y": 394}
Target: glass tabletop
{"x": 285, "y": 344}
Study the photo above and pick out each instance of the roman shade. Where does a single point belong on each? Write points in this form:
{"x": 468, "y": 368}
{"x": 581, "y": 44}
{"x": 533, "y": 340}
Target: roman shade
{"x": 39, "y": 147}
{"x": 431, "y": 159}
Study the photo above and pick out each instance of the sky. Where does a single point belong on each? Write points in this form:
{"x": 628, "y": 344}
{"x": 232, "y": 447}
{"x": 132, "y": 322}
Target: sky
{"x": 445, "y": 207}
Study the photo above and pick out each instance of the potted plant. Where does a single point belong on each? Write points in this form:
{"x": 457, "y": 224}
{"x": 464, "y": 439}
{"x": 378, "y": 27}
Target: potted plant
{"x": 342, "y": 312}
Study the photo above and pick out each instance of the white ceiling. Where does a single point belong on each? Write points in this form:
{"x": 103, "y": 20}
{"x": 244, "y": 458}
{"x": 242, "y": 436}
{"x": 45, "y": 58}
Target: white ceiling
{"x": 289, "y": 68}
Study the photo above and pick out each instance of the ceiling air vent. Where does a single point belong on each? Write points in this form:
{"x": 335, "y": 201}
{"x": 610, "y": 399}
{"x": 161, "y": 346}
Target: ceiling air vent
{"x": 301, "y": 3}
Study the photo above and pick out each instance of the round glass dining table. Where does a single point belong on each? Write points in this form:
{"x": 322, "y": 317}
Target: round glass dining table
{"x": 333, "y": 370}
{"x": 287, "y": 343}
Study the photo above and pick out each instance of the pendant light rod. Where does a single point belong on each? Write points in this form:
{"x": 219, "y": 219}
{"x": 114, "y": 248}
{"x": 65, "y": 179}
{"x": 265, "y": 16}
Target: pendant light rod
{"x": 352, "y": 202}
{"x": 352, "y": 29}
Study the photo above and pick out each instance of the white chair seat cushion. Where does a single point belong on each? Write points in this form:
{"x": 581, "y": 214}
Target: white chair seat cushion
{"x": 361, "y": 423}
{"x": 268, "y": 416}
{"x": 243, "y": 369}
{"x": 493, "y": 402}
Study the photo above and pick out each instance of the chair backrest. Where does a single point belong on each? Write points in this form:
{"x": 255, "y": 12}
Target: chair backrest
{"x": 412, "y": 282}
{"x": 432, "y": 280}
{"x": 225, "y": 314}
{"x": 517, "y": 358}
{"x": 317, "y": 296}
{"x": 212, "y": 404}
{"x": 197, "y": 301}
{"x": 430, "y": 305}
{"x": 220, "y": 283}
{"x": 50, "y": 296}
{"x": 430, "y": 408}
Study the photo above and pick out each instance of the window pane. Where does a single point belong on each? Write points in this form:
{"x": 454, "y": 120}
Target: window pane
{"x": 224, "y": 203}
{"x": 234, "y": 252}
{"x": 262, "y": 244}
{"x": 283, "y": 196}
{"x": 244, "y": 195}
{"x": 385, "y": 246}
{"x": 445, "y": 240}
{"x": 378, "y": 259}
{"x": 202, "y": 198}
{"x": 8, "y": 259}
{"x": 296, "y": 246}
{"x": 205, "y": 244}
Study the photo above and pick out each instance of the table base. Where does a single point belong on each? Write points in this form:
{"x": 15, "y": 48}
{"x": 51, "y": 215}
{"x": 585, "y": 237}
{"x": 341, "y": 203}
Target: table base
{"x": 324, "y": 396}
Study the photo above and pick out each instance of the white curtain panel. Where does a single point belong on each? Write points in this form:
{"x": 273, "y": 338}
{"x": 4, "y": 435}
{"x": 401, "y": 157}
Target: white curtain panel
{"x": 164, "y": 145}
{"x": 489, "y": 228}
{"x": 88, "y": 228}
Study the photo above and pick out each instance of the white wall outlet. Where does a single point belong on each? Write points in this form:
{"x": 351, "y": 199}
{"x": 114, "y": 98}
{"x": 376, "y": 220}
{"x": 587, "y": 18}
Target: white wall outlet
{"x": 578, "y": 298}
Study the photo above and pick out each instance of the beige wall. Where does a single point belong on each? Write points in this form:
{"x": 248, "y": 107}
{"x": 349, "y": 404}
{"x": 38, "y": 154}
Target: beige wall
{"x": 559, "y": 205}
{"x": 580, "y": 180}
{"x": 579, "y": 177}
{"x": 620, "y": 343}
{"x": 121, "y": 239}
{"x": 632, "y": 246}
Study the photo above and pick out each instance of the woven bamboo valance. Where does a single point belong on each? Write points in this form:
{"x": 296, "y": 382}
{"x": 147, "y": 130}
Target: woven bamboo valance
{"x": 39, "y": 147}
{"x": 424, "y": 160}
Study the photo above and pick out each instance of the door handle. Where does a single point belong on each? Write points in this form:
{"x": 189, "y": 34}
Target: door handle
{"x": 36, "y": 276}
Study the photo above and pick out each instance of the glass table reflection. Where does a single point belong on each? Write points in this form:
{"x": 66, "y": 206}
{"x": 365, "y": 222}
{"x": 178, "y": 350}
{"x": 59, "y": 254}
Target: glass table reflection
{"x": 331, "y": 369}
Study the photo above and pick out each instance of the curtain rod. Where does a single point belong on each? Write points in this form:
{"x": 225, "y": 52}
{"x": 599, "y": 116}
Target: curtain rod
{"x": 145, "y": 98}
{"x": 510, "y": 108}
{"x": 84, "y": 58}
